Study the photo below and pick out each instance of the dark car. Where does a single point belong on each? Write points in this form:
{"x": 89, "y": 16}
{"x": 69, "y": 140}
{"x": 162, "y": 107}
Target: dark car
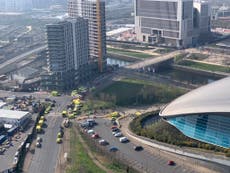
{"x": 138, "y": 148}
{"x": 114, "y": 123}
{"x": 113, "y": 149}
{"x": 115, "y": 130}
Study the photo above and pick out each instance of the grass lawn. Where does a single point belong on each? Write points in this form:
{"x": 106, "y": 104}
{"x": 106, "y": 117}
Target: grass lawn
{"x": 129, "y": 53}
{"x": 92, "y": 104}
{"x": 80, "y": 160}
{"x": 204, "y": 66}
{"x": 198, "y": 56}
{"x": 138, "y": 92}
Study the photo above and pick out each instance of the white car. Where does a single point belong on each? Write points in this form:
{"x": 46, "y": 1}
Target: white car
{"x": 103, "y": 142}
{"x": 91, "y": 132}
{"x": 39, "y": 139}
{"x": 123, "y": 139}
{"x": 119, "y": 134}
{"x": 114, "y": 133}
{"x": 38, "y": 145}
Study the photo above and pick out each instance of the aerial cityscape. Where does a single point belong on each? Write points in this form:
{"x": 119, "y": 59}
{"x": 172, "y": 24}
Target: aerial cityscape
{"x": 114, "y": 86}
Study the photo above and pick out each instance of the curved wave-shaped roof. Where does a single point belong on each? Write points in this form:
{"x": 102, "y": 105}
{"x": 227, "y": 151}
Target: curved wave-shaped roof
{"x": 211, "y": 98}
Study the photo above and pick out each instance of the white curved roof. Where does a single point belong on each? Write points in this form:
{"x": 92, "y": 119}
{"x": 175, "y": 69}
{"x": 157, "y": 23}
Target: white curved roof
{"x": 214, "y": 97}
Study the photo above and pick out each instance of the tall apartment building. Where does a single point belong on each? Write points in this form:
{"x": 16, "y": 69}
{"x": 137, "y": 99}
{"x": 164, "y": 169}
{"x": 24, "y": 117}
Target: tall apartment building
{"x": 68, "y": 52}
{"x": 202, "y": 18}
{"x": 169, "y": 21}
{"x": 94, "y": 12}
{"x": 15, "y": 5}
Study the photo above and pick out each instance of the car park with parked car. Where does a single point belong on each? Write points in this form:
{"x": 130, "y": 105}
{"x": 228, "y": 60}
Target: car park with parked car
{"x": 103, "y": 142}
{"x": 119, "y": 134}
{"x": 123, "y": 139}
{"x": 113, "y": 149}
{"x": 138, "y": 148}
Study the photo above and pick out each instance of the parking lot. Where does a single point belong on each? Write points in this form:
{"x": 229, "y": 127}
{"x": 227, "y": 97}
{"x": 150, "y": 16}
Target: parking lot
{"x": 142, "y": 160}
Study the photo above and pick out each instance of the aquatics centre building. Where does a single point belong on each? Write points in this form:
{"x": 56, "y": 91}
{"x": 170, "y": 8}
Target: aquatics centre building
{"x": 203, "y": 114}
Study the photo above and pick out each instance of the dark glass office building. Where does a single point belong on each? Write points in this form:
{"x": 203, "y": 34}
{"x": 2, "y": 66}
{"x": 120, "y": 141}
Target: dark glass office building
{"x": 203, "y": 114}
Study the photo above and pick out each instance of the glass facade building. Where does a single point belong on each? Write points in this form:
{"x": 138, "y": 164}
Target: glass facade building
{"x": 209, "y": 128}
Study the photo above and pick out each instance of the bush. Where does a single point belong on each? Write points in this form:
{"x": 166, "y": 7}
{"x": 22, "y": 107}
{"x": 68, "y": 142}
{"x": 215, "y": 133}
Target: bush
{"x": 228, "y": 154}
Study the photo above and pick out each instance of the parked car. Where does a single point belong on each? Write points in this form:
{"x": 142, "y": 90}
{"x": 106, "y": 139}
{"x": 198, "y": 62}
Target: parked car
{"x": 113, "y": 127}
{"x": 95, "y": 136}
{"x": 39, "y": 139}
{"x": 123, "y": 139}
{"x": 103, "y": 142}
{"x": 113, "y": 149}
{"x": 115, "y": 130}
{"x": 114, "y": 123}
{"x": 38, "y": 145}
{"x": 119, "y": 134}
{"x": 138, "y": 148}
{"x": 171, "y": 163}
{"x": 90, "y": 132}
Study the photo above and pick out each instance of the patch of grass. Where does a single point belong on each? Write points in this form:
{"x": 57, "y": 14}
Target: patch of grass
{"x": 115, "y": 167}
{"x": 129, "y": 53}
{"x": 92, "y": 104}
{"x": 198, "y": 56}
{"x": 138, "y": 92}
{"x": 165, "y": 50}
{"x": 80, "y": 160}
{"x": 204, "y": 66}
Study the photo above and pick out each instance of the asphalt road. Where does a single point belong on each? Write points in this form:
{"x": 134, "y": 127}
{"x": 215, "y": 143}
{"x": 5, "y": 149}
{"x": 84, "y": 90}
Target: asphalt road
{"x": 194, "y": 164}
{"x": 5, "y": 67}
{"x": 146, "y": 160}
{"x": 45, "y": 158}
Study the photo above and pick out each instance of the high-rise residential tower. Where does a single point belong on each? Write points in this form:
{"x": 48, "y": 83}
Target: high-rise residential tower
{"x": 201, "y": 19}
{"x": 68, "y": 52}
{"x": 94, "y": 12}
{"x": 164, "y": 20}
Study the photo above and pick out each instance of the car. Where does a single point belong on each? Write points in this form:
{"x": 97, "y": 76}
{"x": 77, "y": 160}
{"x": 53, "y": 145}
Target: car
{"x": 115, "y": 130}
{"x": 38, "y": 144}
{"x": 103, "y": 142}
{"x": 113, "y": 149}
{"x": 171, "y": 163}
{"x": 39, "y": 139}
{"x": 119, "y": 134}
{"x": 114, "y": 133}
{"x": 138, "y": 148}
{"x": 95, "y": 136}
{"x": 113, "y": 127}
{"x": 123, "y": 139}
{"x": 48, "y": 100}
{"x": 114, "y": 123}
{"x": 59, "y": 140}
{"x": 16, "y": 154}
{"x": 91, "y": 121}
{"x": 90, "y": 132}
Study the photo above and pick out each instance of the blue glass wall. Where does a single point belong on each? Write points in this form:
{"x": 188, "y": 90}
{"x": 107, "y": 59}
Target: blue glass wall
{"x": 213, "y": 129}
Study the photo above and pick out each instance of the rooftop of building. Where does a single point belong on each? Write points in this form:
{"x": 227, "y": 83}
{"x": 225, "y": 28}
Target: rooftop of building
{"x": 211, "y": 98}
{"x": 12, "y": 114}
